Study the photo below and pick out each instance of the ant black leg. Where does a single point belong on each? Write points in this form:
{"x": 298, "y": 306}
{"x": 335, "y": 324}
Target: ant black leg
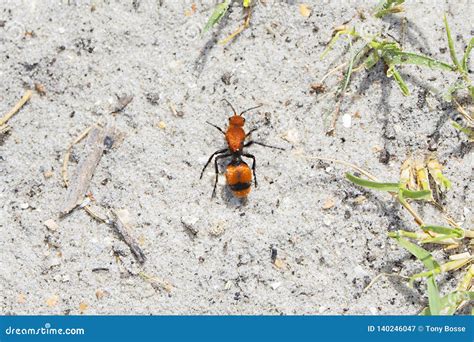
{"x": 217, "y": 172}
{"x": 262, "y": 144}
{"x": 251, "y": 131}
{"x": 210, "y": 159}
{"x": 220, "y": 129}
{"x": 253, "y": 165}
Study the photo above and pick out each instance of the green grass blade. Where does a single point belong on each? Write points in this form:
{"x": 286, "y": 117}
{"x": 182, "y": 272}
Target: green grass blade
{"x": 457, "y": 85}
{"x": 335, "y": 38}
{"x": 400, "y": 57}
{"x": 385, "y": 7}
{"x": 420, "y": 253}
{"x": 383, "y": 13}
{"x": 347, "y": 76}
{"x": 458, "y": 232}
{"x": 446, "y": 267}
{"x": 216, "y": 16}
{"x": 331, "y": 44}
{"x": 393, "y": 187}
{"x": 441, "y": 239}
{"x": 417, "y": 195}
{"x": 434, "y": 298}
{"x": 451, "y": 302}
{"x": 466, "y": 55}
{"x": 466, "y": 130}
{"x": 465, "y": 283}
{"x": 451, "y": 44}
{"x": 392, "y": 71}
{"x": 371, "y": 60}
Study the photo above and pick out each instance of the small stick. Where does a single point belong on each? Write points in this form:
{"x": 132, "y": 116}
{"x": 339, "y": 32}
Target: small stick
{"x": 122, "y": 230}
{"x": 242, "y": 27}
{"x": 332, "y": 71}
{"x": 342, "y": 162}
{"x": 155, "y": 282}
{"x": 463, "y": 112}
{"x": 98, "y": 217}
{"x": 173, "y": 108}
{"x": 17, "y": 107}
{"x": 378, "y": 276}
{"x": 83, "y": 175}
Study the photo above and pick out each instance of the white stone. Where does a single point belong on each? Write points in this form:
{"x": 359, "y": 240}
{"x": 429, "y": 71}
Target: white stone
{"x": 275, "y": 285}
{"x": 346, "y": 120}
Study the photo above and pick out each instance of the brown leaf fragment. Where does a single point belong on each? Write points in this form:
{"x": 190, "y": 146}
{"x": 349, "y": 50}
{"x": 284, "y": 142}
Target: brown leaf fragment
{"x": 95, "y": 146}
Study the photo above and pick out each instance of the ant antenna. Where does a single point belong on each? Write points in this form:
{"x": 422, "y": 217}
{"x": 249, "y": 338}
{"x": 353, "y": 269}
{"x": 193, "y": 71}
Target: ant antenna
{"x": 235, "y": 112}
{"x": 260, "y": 105}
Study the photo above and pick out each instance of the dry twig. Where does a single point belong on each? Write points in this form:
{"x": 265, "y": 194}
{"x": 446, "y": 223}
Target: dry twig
{"x": 3, "y": 121}
{"x": 95, "y": 146}
{"x": 122, "y": 230}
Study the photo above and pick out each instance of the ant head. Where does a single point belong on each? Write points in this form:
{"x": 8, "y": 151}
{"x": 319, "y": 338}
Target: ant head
{"x": 237, "y": 120}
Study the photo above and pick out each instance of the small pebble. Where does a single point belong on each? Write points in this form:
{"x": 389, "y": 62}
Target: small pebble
{"x": 218, "y": 228}
{"x": 327, "y": 221}
{"x": 328, "y": 204}
{"x": 51, "y": 225}
{"x": 279, "y": 263}
{"x": 162, "y": 125}
{"x": 292, "y": 136}
{"x": 99, "y": 294}
{"x": 275, "y": 285}
{"x": 346, "y": 120}
{"x": 54, "y": 262}
{"x": 305, "y": 10}
{"x": 48, "y": 174}
{"x": 189, "y": 223}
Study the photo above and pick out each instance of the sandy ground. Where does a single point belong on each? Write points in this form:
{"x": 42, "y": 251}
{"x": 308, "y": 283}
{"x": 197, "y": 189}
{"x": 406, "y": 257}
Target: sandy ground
{"x": 151, "y": 50}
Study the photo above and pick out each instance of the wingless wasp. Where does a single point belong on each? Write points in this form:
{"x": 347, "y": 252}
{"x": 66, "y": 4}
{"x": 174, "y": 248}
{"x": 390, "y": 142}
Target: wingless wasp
{"x": 238, "y": 174}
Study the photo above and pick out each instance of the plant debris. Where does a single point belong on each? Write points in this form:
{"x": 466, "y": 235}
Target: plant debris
{"x": 95, "y": 146}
